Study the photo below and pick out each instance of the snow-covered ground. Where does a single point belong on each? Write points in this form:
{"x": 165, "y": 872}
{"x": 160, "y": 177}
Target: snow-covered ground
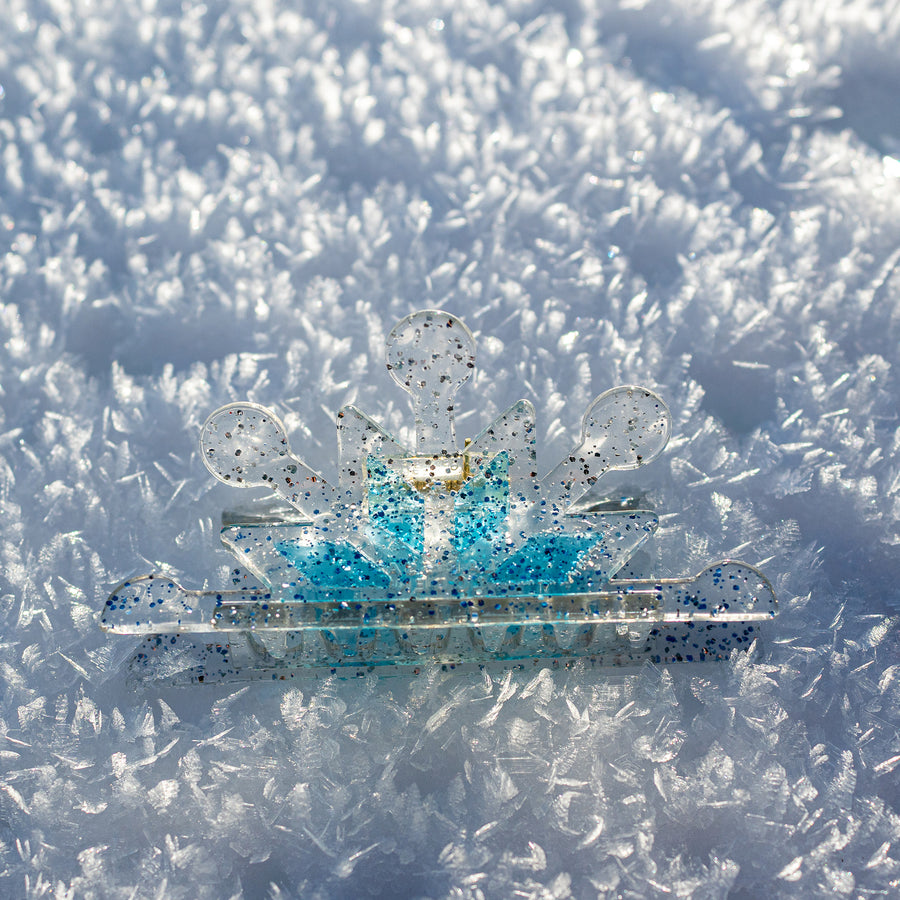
{"x": 202, "y": 203}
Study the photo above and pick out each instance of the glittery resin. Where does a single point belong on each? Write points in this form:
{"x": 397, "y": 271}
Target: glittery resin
{"x": 435, "y": 553}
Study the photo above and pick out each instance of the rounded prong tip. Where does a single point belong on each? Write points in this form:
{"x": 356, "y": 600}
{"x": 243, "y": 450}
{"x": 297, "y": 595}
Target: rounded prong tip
{"x": 430, "y": 352}
{"x": 627, "y": 426}
{"x": 239, "y": 441}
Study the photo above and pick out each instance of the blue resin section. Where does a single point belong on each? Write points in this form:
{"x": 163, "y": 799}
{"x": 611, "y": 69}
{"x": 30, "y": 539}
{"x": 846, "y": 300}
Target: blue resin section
{"x": 482, "y": 504}
{"x": 546, "y": 558}
{"x": 394, "y": 505}
{"x": 334, "y": 565}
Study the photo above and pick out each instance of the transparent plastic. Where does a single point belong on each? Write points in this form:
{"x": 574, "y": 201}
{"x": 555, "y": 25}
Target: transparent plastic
{"x": 440, "y": 553}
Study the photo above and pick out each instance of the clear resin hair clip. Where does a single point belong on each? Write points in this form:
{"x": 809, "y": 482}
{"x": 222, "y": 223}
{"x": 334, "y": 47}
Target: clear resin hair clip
{"x": 435, "y": 553}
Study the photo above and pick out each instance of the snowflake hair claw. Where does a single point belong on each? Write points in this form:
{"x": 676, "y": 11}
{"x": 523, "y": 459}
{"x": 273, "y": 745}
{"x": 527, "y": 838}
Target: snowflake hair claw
{"x": 435, "y": 553}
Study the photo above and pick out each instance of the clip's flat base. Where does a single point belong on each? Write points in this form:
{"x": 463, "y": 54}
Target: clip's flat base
{"x": 193, "y": 659}
{"x": 250, "y": 634}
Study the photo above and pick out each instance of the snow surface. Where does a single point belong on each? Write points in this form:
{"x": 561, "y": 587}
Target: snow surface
{"x": 205, "y": 203}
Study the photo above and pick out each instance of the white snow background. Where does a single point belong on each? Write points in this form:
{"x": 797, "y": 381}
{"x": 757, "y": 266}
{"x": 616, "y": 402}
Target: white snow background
{"x": 206, "y": 203}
